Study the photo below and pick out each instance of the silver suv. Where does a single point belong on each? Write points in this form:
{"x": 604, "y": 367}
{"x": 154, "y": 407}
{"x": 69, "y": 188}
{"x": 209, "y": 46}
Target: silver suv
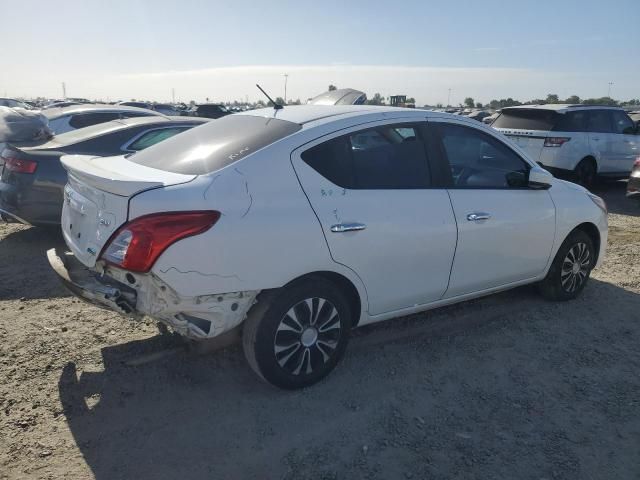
{"x": 580, "y": 140}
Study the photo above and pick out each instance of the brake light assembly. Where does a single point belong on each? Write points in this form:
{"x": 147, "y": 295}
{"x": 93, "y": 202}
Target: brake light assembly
{"x": 18, "y": 165}
{"x": 137, "y": 244}
{"x": 555, "y": 141}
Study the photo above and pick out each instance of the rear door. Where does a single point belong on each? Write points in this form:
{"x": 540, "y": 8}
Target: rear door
{"x": 505, "y": 229}
{"x": 382, "y": 211}
{"x": 601, "y": 139}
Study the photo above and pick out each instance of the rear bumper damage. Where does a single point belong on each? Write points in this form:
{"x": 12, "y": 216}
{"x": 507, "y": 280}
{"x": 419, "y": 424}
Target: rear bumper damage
{"x": 135, "y": 295}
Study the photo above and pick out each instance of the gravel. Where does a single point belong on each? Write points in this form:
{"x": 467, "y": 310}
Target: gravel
{"x": 505, "y": 387}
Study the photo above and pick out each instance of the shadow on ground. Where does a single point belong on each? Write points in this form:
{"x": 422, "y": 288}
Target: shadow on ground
{"x": 509, "y": 386}
{"x": 24, "y": 269}
{"x": 614, "y": 193}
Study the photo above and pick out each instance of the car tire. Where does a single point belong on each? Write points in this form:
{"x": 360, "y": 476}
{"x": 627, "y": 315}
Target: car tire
{"x": 295, "y": 336}
{"x": 570, "y": 269}
{"x": 586, "y": 173}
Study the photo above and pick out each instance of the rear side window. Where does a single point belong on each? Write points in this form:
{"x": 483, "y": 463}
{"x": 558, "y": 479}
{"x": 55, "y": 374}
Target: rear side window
{"x": 82, "y": 120}
{"x": 151, "y": 138}
{"x": 526, "y": 119}
{"x": 622, "y": 123}
{"x": 389, "y": 157}
{"x": 572, "y": 122}
{"x": 134, "y": 114}
{"x": 600, "y": 121}
{"x": 214, "y": 145}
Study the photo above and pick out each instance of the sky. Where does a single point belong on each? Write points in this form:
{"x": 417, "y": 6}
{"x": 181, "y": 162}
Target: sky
{"x": 430, "y": 50}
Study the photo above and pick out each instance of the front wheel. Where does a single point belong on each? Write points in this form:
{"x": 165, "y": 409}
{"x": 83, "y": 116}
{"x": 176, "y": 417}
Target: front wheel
{"x": 296, "y": 335}
{"x": 570, "y": 269}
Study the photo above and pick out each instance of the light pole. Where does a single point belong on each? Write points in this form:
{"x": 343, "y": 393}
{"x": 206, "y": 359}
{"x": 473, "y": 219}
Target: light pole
{"x": 286, "y": 77}
{"x": 449, "y": 98}
{"x": 609, "y": 91}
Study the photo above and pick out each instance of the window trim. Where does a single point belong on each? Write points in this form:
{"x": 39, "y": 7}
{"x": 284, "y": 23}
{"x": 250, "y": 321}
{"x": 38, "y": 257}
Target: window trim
{"x": 421, "y": 125}
{"x": 445, "y": 159}
{"x": 125, "y": 146}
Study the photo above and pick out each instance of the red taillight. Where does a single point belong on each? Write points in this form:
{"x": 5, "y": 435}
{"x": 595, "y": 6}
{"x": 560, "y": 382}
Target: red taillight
{"x": 137, "y": 244}
{"x": 555, "y": 141}
{"x": 19, "y": 165}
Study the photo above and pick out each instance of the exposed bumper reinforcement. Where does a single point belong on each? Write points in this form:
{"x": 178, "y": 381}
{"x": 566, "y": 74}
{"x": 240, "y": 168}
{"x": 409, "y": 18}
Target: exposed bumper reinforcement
{"x": 91, "y": 286}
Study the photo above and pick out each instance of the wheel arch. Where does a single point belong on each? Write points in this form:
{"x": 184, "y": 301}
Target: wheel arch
{"x": 344, "y": 284}
{"x": 591, "y": 158}
{"x": 594, "y": 234}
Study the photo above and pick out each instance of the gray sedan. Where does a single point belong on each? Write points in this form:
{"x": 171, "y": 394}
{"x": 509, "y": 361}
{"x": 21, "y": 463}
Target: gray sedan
{"x": 32, "y": 178}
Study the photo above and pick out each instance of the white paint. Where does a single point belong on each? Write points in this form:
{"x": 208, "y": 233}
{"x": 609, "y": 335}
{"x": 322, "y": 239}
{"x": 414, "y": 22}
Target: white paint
{"x": 270, "y": 232}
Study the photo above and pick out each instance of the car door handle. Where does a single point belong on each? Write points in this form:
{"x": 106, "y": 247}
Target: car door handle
{"x": 347, "y": 227}
{"x": 476, "y": 216}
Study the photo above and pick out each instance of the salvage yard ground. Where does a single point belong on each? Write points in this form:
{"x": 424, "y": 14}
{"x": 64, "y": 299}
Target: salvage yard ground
{"x": 505, "y": 387}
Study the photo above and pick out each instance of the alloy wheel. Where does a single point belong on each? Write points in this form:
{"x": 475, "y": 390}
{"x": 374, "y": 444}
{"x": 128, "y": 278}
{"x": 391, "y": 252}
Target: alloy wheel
{"x": 307, "y": 336}
{"x": 575, "y": 267}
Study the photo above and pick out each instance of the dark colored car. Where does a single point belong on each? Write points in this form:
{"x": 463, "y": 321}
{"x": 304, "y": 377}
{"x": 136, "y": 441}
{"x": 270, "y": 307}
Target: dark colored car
{"x": 633, "y": 185}
{"x": 32, "y": 178}
{"x": 209, "y": 110}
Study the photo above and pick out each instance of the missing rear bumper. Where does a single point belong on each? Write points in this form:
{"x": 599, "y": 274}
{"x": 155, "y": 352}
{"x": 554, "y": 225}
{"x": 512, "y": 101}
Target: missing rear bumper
{"x": 91, "y": 286}
{"x": 195, "y": 317}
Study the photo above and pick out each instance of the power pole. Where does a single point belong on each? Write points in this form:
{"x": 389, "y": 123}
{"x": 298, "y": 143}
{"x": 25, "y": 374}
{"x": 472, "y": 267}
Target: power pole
{"x": 64, "y": 91}
{"x": 286, "y": 77}
{"x": 609, "y": 91}
{"x": 173, "y": 95}
{"x": 449, "y": 98}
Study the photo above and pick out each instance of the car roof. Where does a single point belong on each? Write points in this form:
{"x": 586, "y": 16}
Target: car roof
{"x": 302, "y": 114}
{"x": 559, "y": 107}
{"x": 58, "y": 112}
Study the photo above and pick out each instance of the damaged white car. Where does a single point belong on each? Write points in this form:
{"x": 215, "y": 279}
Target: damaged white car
{"x": 308, "y": 221}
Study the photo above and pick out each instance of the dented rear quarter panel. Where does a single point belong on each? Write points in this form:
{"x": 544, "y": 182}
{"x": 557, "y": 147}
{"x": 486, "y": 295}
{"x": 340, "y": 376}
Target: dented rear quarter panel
{"x": 267, "y": 235}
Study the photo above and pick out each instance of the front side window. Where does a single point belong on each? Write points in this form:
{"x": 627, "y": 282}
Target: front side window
{"x": 151, "y": 138}
{"x": 381, "y": 158}
{"x": 622, "y": 123}
{"x": 599, "y": 121}
{"x": 82, "y": 120}
{"x": 478, "y": 160}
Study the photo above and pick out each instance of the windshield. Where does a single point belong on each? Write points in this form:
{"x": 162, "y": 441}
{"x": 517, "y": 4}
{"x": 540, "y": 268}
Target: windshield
{"x": 214, "y": 145}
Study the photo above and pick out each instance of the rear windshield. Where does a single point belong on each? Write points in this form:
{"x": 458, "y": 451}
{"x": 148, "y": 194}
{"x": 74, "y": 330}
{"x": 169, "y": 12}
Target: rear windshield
{"x": 526, "y": 119}
{"x": 215, "y": 144}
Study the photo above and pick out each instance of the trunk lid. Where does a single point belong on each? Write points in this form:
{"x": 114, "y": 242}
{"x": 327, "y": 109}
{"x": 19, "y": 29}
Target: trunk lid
{"x": 96, "y": 199}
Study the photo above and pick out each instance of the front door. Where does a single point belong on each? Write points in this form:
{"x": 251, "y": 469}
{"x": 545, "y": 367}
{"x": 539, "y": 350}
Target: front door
{"x": 371, "y": 189}
{"x": 505, "y": 229}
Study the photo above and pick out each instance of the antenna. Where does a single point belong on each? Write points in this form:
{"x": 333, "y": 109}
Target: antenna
{"x": 276, "y": 106}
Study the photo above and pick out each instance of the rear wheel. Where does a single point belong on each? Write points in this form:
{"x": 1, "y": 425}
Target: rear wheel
{"x": 586, "y": 173}
{"x": 570, "y": 269}
{"x": 296, "y": 335}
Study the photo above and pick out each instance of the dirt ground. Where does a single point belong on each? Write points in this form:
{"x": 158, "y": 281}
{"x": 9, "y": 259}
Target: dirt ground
{"x": 505, "y": 387}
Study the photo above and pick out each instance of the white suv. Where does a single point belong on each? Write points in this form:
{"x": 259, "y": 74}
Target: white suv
{"x": 580, "y": 140}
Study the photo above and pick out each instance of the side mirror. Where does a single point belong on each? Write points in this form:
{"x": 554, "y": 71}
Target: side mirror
{"x": 539, "y": 179}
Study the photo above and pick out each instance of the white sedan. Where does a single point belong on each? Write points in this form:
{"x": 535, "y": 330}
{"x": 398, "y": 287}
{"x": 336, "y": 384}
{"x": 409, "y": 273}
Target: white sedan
{"x": 304, "y": 222}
